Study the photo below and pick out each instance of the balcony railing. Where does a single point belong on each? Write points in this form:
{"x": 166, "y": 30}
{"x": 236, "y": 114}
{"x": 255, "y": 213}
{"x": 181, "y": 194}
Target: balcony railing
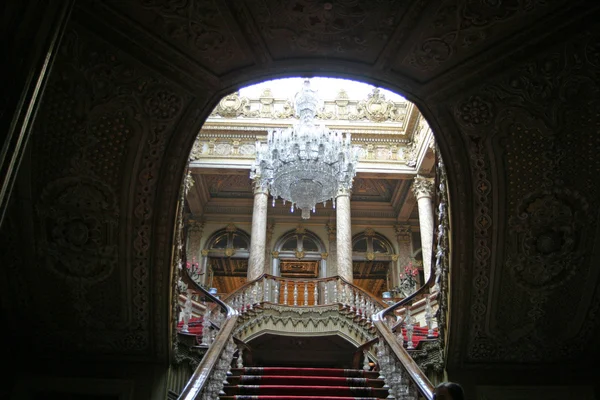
{"x": 303, "y": 293}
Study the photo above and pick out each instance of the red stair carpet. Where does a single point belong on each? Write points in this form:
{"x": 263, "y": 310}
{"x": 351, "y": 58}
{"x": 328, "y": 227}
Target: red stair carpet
{"x": 289, "y": 383}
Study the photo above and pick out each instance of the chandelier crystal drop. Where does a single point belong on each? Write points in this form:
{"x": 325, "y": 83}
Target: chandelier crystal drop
{"x": 307, "y": 163}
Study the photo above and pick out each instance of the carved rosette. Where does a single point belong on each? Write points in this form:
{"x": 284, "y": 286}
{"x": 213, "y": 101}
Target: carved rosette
{"x": 78, "y": 218}
{"x": 548, "y": 238}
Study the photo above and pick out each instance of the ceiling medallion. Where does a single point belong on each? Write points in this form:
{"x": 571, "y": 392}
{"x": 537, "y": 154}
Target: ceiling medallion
{"x": 307, "y": 163}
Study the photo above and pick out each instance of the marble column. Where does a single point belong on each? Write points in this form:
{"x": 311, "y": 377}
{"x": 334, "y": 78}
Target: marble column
{"x": 268, "y": 257}
{"x": 423, "y": 190}
{"x": 404, "y": 239}
{"x": 332, "y": 255}
{"x": 256, "y": 260}
{"x": 344, "y": 235}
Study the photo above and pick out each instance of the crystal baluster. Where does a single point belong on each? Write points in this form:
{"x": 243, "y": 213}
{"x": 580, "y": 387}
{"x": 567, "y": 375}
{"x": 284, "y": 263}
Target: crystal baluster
{"x": 409, "y": 329}
{"x": 240, "y": 361}
{"x": 206, "y": 335}
{"x": 187, "y": 310}
{"x": 275, "y": 291}
{"x": 305, "y": 293}
{"x": 335, "y": 291}
{"x": 285, "y": 292}
{"x": 342, "y": 293}
{"x": 366, "y": 366}
{"x": 248, "y": 298}
{"x": 429, "y": 317}
{"x": 257, "y": 292}
{"x": 316, "y": 294}
{"x": 326, "y": 293}
{"x": 266, "y": 289}
{"x": 295, "y": 293}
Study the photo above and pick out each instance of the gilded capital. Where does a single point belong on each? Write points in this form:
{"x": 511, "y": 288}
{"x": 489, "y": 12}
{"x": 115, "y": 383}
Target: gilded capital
{"x": 196, "y": 226}
{"x": 204, "y": 252}
{"x": 403, "y": 232}
{"x": 275, "y": 254}
{"x": 422, "y": 187}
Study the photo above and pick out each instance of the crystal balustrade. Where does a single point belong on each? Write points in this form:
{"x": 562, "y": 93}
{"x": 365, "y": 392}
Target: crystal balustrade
{"x": 298, "y": 292}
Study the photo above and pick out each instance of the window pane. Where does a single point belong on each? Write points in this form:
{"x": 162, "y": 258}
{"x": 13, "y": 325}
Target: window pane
{"x": 290, "y": 244}
{"x": 360, "y": 246}
{"x": 239, "y": 242}
{"x": 309, "y": 245}
{"x": 221, "y": 242}
{"x": 379, "y": 246}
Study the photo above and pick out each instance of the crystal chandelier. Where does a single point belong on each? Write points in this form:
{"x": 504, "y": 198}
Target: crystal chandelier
{"x": 307, "y": 163}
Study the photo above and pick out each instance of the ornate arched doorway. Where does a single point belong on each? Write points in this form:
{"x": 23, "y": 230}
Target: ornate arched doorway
{"x": 226, "y": 257}
{"x": 373, "y": 259}
{"x": 299, "y": 253}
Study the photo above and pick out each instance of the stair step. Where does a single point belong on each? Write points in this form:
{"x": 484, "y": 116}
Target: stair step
{"x": 278, "y": 397}
{"x": 296, "y": 390}
{"x": 290, "y": 383}
{"x": 303, "y": 380}
{"x": 292, "y": 371}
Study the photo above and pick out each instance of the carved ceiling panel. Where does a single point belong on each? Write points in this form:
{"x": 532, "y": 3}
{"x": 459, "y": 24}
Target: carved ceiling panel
{"x": 336, "y": 29}
{"x": 373, "y": 189}
{"x": 198, "y": 29}
{"x": 228, "y": 186}
{"x": 457, "y": 30}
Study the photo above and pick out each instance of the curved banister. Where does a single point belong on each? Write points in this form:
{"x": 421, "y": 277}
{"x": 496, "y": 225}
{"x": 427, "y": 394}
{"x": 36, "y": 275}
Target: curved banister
{"x": 424, "y": 386}
{"x": 203, "y": 372}
{"x": 195, "y": 286}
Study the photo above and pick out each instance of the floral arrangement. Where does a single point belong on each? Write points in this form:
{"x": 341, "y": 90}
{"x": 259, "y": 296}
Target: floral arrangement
{"x": 409, "y": 276}
{"x": 408, "y": 280}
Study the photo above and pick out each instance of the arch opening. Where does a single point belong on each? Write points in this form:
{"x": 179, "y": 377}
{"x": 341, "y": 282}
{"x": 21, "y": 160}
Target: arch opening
{"x": 392, "y": 192}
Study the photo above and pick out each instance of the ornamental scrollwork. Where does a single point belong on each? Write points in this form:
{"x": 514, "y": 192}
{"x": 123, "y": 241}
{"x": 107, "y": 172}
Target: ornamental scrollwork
{"x": 548, "y": 233}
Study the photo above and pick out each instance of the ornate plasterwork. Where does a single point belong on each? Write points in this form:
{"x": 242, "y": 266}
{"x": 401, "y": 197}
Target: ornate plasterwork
{"x": 314, "y": 321}
{"x": 520, "y": 130}
{"x": 375, "y": 108}
{"x": 85, "y": 227}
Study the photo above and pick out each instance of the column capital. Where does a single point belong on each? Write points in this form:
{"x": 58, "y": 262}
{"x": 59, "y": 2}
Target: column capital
{"x": 402, "y": 231}
{"x": 422, "y": 187}
{"x": 343, "y": 192}
{"x": 195, "y": 225}
{"x": 259, "y": 187}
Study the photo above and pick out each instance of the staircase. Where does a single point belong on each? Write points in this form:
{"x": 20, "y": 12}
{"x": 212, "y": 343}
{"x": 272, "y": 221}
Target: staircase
{"x": 289, "y": 383}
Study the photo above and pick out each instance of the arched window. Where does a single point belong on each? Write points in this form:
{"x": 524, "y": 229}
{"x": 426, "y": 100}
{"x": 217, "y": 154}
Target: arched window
{"x": 226, "y": 255}
{"x": 299, "y": 254}
{"x": 372, "y": 257}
